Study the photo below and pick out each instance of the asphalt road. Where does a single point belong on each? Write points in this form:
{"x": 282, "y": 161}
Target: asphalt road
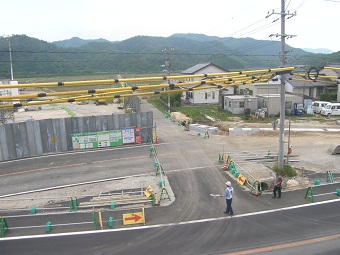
{"x": 193, "y": 224}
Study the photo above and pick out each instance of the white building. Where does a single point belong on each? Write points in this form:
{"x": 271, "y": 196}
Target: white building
{"x": 240, "y": 104}
{"x": 204, "y": 96}
{"x": 273, "y": 102}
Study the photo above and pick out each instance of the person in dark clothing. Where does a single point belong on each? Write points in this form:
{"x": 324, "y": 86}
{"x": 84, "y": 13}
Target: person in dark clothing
{"x": 277, "y": 185}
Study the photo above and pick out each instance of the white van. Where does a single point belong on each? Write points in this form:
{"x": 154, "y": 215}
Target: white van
{"x": 318, "y": 105}
{"x": 331, "y": 109}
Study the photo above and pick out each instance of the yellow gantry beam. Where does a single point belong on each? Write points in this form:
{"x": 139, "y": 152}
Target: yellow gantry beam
{"x": 146, "y": 79}
{"x": 113, "y": 94}
{"x": 332, "y": 68}
{"x": 133, "y": 88}
{"x": 227, "y": 79}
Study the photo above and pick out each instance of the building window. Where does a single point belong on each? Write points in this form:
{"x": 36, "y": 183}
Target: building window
{"x": 206, "y": 95}
{"x": 213, "y": 95}
{"x": 241, "y": 105}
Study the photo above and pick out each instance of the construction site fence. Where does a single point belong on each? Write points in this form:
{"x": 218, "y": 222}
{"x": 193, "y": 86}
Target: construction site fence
{"x": 38, "y": 137}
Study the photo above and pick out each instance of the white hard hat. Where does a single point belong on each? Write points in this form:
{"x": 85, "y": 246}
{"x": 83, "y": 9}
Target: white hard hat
{"x": 228, "y": 183}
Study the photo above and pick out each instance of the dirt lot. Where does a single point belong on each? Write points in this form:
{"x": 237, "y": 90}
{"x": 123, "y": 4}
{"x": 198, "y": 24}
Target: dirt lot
{"x": 309, "y": 148}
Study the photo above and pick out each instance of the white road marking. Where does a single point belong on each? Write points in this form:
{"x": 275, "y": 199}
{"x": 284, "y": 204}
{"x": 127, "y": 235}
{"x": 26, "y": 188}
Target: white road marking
{"x": 167, "y": 224}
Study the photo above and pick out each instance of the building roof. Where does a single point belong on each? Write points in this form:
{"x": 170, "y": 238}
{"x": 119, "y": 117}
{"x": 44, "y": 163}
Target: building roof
{"x": 240, "y": 97}
{"x": 196, "y": 68}
{"x": 277, "y": 95}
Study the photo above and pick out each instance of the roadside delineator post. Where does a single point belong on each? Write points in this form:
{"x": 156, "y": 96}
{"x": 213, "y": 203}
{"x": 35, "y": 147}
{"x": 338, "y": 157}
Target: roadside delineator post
{"x": 220, "y": 158}
{"x": 329, "y": 177}
{"x": 206, "y": 134}
{"x": 152, "y": 150}
{"x": 4, "y": 226}
{"x": 232, "y": 167}
{"x": 71, "y": 204}
{"x": 48, "y": 227}
{"x": 316, "y": 182}
{"x": 100, "y": 219}
{"x": 94, "y": 220}
{"x": 33, "y": 210}
{"x": 112, "y": 205}
{"x": 153, "y": 200}
{"x": 269, "y": 156}
{"x": 111, "y": 223}
{"x": 337, "y": 192}
{"x": 310, "y": 194}
{"x": 164, "y": 194}
{"x": 159, "y": 169}
{"x": 75, "y": 204}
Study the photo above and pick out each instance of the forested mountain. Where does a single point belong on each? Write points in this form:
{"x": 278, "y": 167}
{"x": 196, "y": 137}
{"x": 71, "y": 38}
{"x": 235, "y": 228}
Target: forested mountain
{"x": 144, "y": 54}
{"x": 75, "y": 42}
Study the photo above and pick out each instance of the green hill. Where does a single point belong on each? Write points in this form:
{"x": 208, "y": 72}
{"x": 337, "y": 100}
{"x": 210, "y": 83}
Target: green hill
{"x": 144, "y": 54}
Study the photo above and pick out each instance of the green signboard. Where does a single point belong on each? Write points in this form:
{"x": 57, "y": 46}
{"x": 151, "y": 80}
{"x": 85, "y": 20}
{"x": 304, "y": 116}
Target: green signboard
{"x": 97, "y": 139}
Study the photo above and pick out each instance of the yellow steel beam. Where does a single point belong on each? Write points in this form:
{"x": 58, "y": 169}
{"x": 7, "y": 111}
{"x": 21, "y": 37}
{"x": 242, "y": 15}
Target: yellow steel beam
{"x": 129, "y": 89}
{"x": 144, "y": 79}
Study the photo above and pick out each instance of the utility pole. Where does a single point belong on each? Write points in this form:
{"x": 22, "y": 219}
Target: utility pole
{"x": 10, "y": 59}
{"x": 283, "y": 80}
{"x": 168, "y": 66}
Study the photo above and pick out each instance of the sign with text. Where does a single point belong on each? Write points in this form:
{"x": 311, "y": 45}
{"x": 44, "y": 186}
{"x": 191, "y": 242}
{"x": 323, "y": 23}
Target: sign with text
{"x": 97, "y": 139}
{"x": 128, "y": 135}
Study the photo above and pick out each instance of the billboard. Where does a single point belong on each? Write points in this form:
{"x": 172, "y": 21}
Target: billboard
{"x": 97, "y": 139}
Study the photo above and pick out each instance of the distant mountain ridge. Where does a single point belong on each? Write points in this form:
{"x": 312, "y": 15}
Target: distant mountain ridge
{"x": 146, "y": 54}
{"x": 76, "y": 42}
{"x": 319, "y": 50}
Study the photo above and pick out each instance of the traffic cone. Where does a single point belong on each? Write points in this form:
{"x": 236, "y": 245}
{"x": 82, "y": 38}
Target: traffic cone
{"x": 225, "y": 166}
{"x": 157, "y": 140}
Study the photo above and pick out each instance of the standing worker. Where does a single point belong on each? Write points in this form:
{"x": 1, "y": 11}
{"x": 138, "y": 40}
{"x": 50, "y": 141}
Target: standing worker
{"x": 278, "y": 185}
{"x": 229, "y": 198}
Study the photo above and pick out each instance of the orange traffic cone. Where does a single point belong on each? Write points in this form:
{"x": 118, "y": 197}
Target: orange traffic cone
{"x": 157, "y": 140}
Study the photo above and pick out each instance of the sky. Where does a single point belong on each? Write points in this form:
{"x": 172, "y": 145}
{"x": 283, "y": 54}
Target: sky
{"x": 315, "y": 25}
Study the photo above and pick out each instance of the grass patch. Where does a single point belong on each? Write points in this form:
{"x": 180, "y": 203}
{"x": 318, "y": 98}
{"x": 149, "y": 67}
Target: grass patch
{"x": 286, "y": 171}
{"x": 197, "y": 113}
{"x": 156, "y": 102}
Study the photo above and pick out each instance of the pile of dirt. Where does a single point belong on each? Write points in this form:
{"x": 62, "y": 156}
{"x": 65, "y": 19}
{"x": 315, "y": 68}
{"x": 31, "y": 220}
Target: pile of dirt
{"x": 178, "y": 116}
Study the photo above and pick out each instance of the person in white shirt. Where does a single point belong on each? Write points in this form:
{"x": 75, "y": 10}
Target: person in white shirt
{"x": 229, "y": 198}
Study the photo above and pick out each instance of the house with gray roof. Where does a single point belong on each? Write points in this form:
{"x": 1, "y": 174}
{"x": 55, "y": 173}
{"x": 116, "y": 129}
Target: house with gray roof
{"x": 306, "y": 87}
{"x": 199, "y": 95}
